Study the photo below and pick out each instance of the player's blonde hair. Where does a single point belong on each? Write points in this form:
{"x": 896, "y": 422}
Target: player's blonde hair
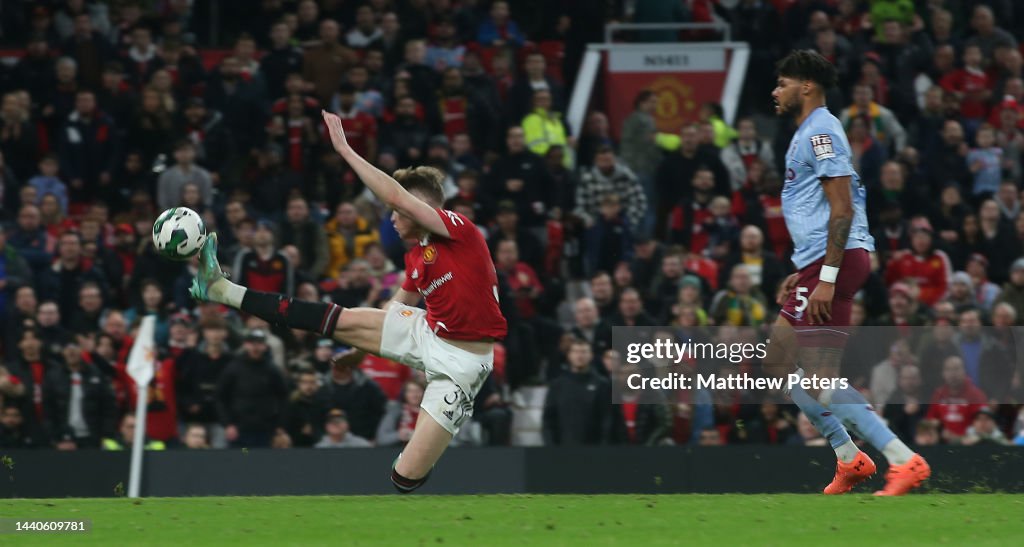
{"x": 424, "y": 180}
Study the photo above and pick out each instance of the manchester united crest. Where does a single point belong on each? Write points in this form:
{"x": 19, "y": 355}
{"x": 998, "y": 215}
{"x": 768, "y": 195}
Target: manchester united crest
{"x": 676, "y": 103}
{"x": 429, "y": 254}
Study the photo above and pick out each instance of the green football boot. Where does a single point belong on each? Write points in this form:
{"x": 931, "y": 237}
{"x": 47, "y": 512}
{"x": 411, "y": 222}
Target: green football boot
{"x": 209, "y": 270}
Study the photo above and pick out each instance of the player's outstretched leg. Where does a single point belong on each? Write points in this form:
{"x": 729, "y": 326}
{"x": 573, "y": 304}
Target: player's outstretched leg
{"x": 359, "y": 327}
{"x": 413, "y": 466}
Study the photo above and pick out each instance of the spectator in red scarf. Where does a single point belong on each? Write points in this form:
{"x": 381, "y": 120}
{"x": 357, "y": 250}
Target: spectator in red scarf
{"x": 30, "y": 366}
{"x": 78, "y": 401}
{"x": 522, "y": 279}
{"x": 295, "y": 133}
{"x": 399, "y": 419}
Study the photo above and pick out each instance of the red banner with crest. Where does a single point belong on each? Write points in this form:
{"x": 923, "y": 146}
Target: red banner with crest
{"x": 682, "y": 80}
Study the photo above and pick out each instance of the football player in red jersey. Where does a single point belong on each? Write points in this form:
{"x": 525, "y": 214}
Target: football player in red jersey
{"x": 452, "y": 341}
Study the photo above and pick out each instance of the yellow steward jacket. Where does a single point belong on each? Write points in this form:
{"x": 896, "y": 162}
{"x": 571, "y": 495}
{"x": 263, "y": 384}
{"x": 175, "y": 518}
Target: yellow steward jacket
{"x": 338, "y": 250}
{"x": 542, "y": 129}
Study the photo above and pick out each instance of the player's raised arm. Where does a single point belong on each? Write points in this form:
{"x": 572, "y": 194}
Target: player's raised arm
{"x": 383, "y": 185}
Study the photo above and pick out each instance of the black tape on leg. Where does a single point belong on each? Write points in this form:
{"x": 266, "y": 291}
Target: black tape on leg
{"x": 405, "y": 485}
{"x": 280, "y": 310}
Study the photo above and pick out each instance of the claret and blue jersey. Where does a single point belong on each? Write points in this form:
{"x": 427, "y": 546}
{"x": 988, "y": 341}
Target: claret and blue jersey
{"x": 819, "y": 149}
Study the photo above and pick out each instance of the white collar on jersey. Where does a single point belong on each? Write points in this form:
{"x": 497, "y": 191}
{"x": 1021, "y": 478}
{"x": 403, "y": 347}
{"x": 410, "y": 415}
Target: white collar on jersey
{"x": 425, "y": 241}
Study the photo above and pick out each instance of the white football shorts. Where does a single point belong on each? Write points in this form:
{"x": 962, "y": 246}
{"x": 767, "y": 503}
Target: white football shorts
{"x": 454, "y": 375}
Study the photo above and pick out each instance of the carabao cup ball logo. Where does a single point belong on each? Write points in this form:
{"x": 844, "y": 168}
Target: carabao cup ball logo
{"x": 179, "y": 233}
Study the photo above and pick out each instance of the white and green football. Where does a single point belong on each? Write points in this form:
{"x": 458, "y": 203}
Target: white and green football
{"x": 179, "y": 233}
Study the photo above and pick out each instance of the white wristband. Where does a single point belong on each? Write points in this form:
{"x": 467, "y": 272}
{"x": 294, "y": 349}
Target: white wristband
{"x": 828, "y": 274}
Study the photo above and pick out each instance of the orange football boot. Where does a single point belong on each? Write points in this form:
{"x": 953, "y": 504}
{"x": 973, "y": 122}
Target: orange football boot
{"x": 850, "y": 474}
{"x": 900, "y": 479}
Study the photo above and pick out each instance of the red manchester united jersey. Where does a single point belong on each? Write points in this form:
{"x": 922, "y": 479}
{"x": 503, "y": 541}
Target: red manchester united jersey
{"x": 457, "y": 280}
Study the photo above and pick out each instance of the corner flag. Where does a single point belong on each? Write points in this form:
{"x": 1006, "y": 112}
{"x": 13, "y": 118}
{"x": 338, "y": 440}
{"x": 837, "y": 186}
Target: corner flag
{"x": 140, "y": 368}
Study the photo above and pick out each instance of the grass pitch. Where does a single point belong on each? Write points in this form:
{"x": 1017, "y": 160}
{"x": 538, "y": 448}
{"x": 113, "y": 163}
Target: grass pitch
{"x": 786, "y": 519}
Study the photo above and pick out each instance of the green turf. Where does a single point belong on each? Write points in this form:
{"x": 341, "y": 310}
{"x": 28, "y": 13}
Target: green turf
{"x": 975, "y": 519}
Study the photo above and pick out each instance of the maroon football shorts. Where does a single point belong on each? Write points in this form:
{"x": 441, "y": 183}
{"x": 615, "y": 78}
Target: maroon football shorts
{"x": 853, "y": 273}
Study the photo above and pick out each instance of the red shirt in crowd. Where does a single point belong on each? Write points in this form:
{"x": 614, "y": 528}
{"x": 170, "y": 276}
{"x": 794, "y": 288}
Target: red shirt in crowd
{"x": 931, "y": 274}
{"x": 971, "y": 83}
{"x": 694, "y": 215}
{"x": 525, "y": 283}
{"x": 778, "y": 234}
{"x": 629, "y": 416}
{"x": 360, "y": 127}
{"x": 453, "y": 116}
{"x": 388, "y": 374}
{"x": 161, "y": 399}
{"x": 273, "y": 274}
{"x": 956, "y": 409}
{"x": 704, "y": 267}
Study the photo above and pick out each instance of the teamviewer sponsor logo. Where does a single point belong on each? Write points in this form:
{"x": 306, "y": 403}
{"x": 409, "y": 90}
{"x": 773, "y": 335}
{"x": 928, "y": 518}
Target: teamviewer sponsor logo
{"x": 435, "y": 284}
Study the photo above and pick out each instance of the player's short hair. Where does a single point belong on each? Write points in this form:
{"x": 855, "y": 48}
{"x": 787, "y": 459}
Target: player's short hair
{"x": 425, "y": 180}
{"x": 806, "y": 64}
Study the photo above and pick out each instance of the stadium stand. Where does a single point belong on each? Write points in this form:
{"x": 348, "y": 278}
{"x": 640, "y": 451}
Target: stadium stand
{"x": 111, "y": 110}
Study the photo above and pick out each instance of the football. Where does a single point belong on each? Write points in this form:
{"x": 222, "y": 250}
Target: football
{"x": 179, "y": 233}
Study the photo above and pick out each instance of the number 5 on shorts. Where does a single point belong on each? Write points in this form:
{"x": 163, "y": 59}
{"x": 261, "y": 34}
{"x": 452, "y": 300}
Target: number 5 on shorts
{"x": 801, "y": 300}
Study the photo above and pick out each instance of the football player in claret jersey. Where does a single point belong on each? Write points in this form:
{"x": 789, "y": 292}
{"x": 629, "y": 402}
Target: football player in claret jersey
{"x": 823, "y": 203}
{"x": 452, "y": 341}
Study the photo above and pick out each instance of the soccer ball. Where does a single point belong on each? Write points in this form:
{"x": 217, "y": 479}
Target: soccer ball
{"x": 179, "y": 233}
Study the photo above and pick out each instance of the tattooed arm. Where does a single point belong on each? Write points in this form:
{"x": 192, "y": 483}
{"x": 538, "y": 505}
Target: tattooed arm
{"x": 837, "y": 191}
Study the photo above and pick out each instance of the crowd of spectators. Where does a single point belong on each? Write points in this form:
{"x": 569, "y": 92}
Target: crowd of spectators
{"x": 113, "y": 111}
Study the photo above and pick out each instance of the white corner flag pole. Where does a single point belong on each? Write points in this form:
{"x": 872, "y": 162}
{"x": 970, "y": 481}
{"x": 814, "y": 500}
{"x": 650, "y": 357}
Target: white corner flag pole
{"x": 140, "y": 368}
